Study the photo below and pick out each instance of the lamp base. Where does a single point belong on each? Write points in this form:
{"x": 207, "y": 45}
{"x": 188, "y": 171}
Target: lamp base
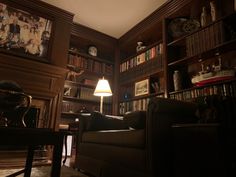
{"x": 101, "y": 104}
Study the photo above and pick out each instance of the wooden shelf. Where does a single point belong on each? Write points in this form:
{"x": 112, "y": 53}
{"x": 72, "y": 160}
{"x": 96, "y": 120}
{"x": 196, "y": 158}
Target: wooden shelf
{"x": 181, "y": 39}
{"x": 207, "y": 85}
{"x": 85, "y": 71}
{"x": 74, "y": 99}
{"x": 143, "y": 97}
{"x": 222, "y": 48}
{"x": 70, "y": 114}
{"x": 69, "y": 83}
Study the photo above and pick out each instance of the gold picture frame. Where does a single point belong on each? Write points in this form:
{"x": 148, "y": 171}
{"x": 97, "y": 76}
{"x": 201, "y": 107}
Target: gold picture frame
{"x": 24, "y": 33}
{"x": 141, "y": 87}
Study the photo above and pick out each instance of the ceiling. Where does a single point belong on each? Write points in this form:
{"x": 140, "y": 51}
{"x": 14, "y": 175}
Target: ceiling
{"x": 112, "y": 17}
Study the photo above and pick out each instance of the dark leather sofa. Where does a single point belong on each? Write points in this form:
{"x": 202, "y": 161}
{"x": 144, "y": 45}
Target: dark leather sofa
{"x": 168, "y": 140}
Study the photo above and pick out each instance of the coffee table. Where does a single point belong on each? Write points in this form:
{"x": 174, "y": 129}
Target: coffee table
{"x": 33, "y": 137}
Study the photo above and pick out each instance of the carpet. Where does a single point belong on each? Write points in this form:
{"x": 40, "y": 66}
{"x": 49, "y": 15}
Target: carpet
{"x": 44, "y": 171}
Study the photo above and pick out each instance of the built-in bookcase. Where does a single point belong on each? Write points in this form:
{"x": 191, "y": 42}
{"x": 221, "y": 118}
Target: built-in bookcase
{"x": 146, "y": 68}
{"x": 202, "y": 54}
{"x": 84, "y": 71}
{"x": 184, "y": 40}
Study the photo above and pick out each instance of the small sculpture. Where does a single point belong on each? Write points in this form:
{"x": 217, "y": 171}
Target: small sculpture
{"x": 203, "y": 17}
{"x": 140, "y": 46}
{"x": 234, "y": 5}
{"x": 67, "y": 91}
{"x": 213, "y": 11}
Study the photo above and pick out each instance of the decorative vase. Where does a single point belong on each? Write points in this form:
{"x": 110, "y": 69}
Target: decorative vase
{"x": 177, "y": 80}
{"x": 203, "y": 17}
{"x": 234, "y": 5}
{"x": 213, "y": 11}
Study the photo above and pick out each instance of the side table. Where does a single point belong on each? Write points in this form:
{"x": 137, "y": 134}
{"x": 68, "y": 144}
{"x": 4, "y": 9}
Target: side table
{"x": 73, "y": 130}
{"x": 32, "y": 137}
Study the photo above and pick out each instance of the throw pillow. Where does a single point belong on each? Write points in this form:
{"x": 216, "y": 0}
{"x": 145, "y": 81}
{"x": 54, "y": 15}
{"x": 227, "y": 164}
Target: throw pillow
{"x": 99, "y": 121}
{"x": 135, "y": 120}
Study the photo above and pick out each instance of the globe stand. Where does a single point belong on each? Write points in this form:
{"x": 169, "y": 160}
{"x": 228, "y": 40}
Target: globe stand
{"x": 13, "y": 102}
{"x": 3, "y": 120}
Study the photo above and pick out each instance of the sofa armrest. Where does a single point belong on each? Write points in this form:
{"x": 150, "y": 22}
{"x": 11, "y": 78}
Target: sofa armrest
{"x": 83, "y": 123}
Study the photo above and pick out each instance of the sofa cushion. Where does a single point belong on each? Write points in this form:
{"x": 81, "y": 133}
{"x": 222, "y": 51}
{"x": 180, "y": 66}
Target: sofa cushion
{"x": 136, "y": 119}
{"x": 126, "y": 138}
{"x": 99, "y": 121}
{"x": 132, "y": 158}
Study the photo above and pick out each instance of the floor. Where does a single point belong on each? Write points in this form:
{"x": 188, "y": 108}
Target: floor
{"x": 44, "y": 171}
{"x": 67, "y": 170}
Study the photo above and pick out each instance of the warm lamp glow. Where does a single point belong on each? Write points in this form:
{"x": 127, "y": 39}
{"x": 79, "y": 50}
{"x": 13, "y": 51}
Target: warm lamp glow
{"x": 102, "y": 89}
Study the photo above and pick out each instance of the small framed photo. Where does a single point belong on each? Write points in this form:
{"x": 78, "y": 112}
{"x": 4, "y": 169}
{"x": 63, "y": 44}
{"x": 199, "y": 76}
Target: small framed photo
{"x": 141, "y": 87}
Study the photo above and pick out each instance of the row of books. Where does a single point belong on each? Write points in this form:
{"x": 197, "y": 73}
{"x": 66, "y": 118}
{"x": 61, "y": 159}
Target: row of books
{"x": 135, "y": 105}
{"x": 87, "y": 94}
{"x": 83, "y": 93}
{"x": 226, "y": 89}
{"x": 89, "y": 64}
{"x": 148, "y": 68}
{"x": 69, "y": 107}
{"x": 205, "y": 39}
{"x": 151, "y": 53}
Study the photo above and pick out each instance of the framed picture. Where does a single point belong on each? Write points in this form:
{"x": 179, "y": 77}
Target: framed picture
{"x": 23, "y": 33}
{"x": 141, "y": 87}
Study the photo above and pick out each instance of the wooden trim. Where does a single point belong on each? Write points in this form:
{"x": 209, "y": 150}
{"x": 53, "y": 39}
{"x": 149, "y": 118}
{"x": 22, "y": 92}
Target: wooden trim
{"x": 81, "y": 31}
{"x": 43, "y": 7}
{"x": 168, "y": 8}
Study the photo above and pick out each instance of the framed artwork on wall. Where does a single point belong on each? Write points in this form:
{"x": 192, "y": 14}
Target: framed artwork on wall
{"x": 24, "y": 33}
{"x": 141, "y": 87}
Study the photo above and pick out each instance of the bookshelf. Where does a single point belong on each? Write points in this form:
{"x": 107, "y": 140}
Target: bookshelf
{"x": 144, "y": 66}
{"x": 201, "y": 51}
{"x": 84, "y": 70}
{"x": 181, "y": 43}
{"x": 81, "y": 79}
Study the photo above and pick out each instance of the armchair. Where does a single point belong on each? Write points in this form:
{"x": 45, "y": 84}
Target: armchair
{"x": 141, "y": 143}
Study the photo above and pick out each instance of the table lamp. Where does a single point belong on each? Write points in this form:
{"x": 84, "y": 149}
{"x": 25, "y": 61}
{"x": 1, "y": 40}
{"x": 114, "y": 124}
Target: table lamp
{"x": 102, "y": 89}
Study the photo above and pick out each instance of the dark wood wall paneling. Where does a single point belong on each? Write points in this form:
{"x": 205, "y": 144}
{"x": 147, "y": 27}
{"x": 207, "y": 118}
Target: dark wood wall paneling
{"x": 151, "y": 24}
{"x": 83, "y": 36}
{"x": 39, "y": 79}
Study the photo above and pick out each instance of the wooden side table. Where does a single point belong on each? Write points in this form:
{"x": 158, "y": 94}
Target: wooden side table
{"x": 32, "y": 137}
{"x": 73, "y": 130}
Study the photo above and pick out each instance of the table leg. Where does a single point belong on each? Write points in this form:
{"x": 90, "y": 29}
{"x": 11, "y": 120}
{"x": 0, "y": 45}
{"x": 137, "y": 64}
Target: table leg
{"x": 56, "y": 161}
{"x": 65, "y": 143}
{"x": 29, "y": 161}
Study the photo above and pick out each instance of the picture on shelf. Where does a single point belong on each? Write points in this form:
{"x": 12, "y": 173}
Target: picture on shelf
{"x": 141, "y": 87}
{"x": 24, "y": 33}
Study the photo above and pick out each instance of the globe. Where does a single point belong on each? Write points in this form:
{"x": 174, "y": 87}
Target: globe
{"x": 12, "y": 98}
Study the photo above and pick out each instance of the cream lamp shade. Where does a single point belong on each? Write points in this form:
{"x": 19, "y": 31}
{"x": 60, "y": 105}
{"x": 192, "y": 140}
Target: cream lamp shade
{"x": 102, "y": 89}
